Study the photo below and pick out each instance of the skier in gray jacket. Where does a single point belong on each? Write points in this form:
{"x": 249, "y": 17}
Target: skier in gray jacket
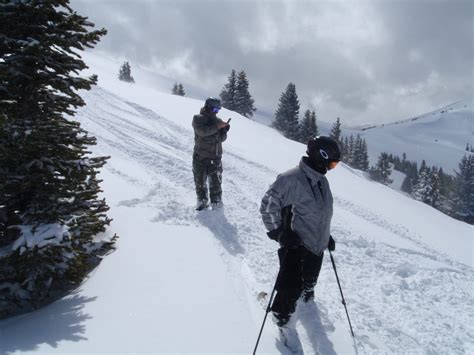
{"x": 297, "y": 212}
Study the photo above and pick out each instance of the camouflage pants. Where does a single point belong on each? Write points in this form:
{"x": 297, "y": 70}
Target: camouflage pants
{"x": 204, "y": 170}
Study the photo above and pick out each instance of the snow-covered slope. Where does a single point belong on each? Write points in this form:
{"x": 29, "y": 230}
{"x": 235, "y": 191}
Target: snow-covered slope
{"x": 186, "y": 282}
{"x": 439, "y": 137}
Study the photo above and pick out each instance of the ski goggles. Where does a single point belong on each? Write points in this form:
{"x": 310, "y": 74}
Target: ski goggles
{"x": 215, "y": 109}
{"x": 332, "y": 164}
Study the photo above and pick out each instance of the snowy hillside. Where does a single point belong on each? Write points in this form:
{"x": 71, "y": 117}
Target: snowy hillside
{"x": 183, "y": 281}
{"x": 439, "y": 137}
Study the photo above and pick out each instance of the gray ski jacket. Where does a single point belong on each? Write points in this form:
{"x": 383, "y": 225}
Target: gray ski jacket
{"x": 309, "y": 194}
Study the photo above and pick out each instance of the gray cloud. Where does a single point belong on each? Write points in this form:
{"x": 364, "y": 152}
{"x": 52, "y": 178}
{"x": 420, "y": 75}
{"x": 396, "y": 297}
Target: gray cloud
{"x": 364, "y": 61}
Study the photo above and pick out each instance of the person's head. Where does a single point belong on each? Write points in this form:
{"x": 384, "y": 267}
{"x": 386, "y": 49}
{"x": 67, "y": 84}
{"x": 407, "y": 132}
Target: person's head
{"x": 212, "y": 105}
{"x": 324, "y": 153}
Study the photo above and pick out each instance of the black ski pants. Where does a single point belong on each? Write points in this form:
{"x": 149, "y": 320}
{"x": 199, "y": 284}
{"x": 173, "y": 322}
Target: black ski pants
{"x": 204, "y": 170}
{"x": 299, "y": 271}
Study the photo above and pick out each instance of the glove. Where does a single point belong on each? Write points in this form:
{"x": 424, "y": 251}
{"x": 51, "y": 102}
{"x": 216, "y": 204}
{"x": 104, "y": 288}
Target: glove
{"x": 274, "y": 234}
{"x": 331, "y": 244}
{"x": 289, "y": 239}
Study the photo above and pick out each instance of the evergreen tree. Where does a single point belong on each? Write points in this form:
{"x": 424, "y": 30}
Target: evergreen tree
{"x": 465, "y": 189}
{"x": 314, "y": 124}
{"x": 423, "y": 188}
{"x": 385, "y": 168}
{"x": 357, "y": 155}
{"x": 350, "y": 151}
{"x": 308, "y": 127}
{"x": 382, "y": 171}
{"x": 435, "y": 180}
{"x": 345, "y": 150}
{"x": 243, "y": 100}
{"x": 49, "y": 205}
{"x": 227, "y": 94}
{"x": 178, "y": 89}
{"x": 411, "y": 171}
{"x": 286, "y": 116}
{"x": 336, "y": 131}
{"x": 447, "y": 194}
{"x": 181, "y": 91}
{"x": 174, "y": 91}
{"x": 125, "y": 73}
{"x": 364, "y": 159}
{"x": 407, "y": 185}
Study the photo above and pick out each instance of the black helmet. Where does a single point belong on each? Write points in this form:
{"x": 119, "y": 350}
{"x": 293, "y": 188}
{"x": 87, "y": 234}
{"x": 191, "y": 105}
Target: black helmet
{"x": 212, "y": 102}
{"x": 322, "y": 150}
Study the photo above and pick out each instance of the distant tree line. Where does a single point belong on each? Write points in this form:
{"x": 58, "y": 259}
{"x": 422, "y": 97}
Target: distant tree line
{"x": 452, "y": 195}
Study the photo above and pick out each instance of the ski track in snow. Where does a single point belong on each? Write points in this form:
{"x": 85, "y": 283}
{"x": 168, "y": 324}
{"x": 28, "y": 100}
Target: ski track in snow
{"x": 390, "y": 300}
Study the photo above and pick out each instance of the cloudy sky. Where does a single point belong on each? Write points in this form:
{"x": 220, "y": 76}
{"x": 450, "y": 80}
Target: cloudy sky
{"x": 363, "y": 61}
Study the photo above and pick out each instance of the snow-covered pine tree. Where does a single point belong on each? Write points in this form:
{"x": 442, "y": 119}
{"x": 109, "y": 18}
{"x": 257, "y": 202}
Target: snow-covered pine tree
{"x": 286, "y": 115}
{"x": 308, "y": 127}
{"x": 227, "y": 94}
{"x": 465, "y": 189}
{"x": 49, "y": 205}
{"x": 125, "y": 73}
{"x": 435, "y": 180}
{"x": 180, "y": 90}
{"x": 336, "y": 131}
{"x": 243, "y": 100}
{"x": 422, "y": 191}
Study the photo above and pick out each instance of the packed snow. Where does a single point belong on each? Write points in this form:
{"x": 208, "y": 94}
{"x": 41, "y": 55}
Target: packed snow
{"x": 184, "y": 281}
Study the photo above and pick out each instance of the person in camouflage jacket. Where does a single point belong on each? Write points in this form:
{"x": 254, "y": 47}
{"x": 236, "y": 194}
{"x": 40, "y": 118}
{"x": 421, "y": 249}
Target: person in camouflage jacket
{"x": 209, "y": 133}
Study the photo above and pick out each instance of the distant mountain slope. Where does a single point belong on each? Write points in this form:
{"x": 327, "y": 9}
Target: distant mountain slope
{"x": 439, "y": 137}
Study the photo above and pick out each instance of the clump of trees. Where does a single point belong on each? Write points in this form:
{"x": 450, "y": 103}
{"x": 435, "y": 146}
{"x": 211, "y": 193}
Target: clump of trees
{"x": 178, "y": 89}
{"x": 235, "y": 95}
{"x": 49, "y": 205}
{"x": 125, "y": 73}
{"x": 452, "y": 195}
{"x": 287, "y": 117}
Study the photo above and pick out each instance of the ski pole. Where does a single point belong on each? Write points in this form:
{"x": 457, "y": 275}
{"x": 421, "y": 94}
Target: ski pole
{"x": 269, "y": 306}
{"x": 340, "y": 289}
{"x": 265, "y": 318}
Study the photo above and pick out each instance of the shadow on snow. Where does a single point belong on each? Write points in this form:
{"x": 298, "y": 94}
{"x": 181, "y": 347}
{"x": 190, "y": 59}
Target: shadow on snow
{"x": 225, "y": 232}
{"x": 309, "y": 316}
{"x": 60, "y": 321}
